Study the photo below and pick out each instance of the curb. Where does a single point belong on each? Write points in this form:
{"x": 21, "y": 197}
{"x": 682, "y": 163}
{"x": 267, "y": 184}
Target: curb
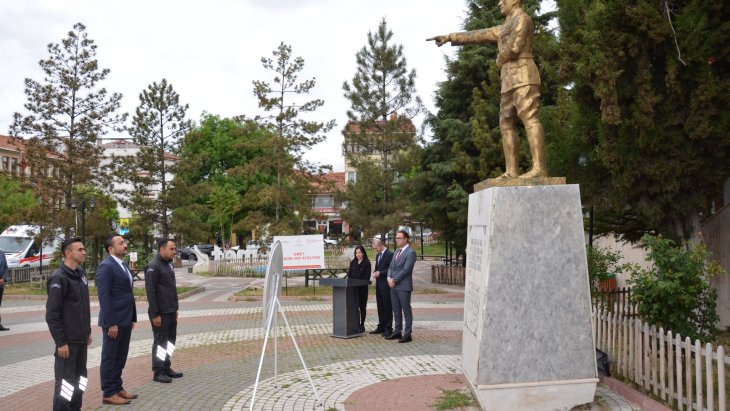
{"x": 631, "y": 394}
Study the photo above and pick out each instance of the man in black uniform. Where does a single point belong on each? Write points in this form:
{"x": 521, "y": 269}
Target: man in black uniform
{"x": 69, "y": 320}
{"x": 159, "y": 279}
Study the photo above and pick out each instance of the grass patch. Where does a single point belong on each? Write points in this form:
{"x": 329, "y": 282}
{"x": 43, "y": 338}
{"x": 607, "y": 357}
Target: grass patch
{"x": 27, "y": 290}
{"x": 429, "y": 291}
{"x": 452, "y": 399}
{"x": 315, "y": 292}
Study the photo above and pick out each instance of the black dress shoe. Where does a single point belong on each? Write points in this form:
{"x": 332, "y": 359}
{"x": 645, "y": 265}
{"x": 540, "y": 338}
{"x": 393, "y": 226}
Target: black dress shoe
{"x": 3, "y": 328}
{"x": 394, "y": 336}
{"x": 405, "y": 339}
{"x": 377, "y": 331}
{"x": 361, "y": 329}
{"x": 162, "y": 378}
{"x": 173, "y": 374}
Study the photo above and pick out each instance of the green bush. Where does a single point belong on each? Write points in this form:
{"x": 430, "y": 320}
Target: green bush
{"x": 676, "y": 293}
{"x": 603, "y": 263}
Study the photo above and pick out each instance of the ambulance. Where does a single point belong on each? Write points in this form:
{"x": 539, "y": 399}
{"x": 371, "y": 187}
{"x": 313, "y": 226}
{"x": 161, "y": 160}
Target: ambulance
{"x": 20, "y": 245}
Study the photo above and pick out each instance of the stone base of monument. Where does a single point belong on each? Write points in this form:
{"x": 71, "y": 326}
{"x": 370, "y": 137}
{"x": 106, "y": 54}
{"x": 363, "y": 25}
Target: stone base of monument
{"x": 528, "y": 341}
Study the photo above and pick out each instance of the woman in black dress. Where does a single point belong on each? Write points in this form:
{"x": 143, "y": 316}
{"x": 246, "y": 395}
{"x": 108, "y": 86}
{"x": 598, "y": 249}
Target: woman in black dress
{"x": 360, "y": 268}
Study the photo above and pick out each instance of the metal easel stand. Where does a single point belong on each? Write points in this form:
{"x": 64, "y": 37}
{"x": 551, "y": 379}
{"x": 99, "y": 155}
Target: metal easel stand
{"x": 273, "y": 318}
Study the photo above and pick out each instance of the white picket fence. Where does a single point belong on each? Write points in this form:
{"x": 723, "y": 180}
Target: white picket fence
{"x": 684, "y": 375}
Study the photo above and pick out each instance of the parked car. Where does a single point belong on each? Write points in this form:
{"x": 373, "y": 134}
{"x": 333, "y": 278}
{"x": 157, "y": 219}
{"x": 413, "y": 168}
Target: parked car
{"x": 186, "y": 253}
{"x": 329, "y": 243}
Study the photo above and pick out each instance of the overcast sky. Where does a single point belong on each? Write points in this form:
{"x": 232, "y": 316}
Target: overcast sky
{"x": 210, "y": 50}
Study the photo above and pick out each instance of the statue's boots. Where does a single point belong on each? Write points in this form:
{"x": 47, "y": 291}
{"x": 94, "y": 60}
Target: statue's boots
{"x": 511, "y": 147}
{"x": 536, "y": 138}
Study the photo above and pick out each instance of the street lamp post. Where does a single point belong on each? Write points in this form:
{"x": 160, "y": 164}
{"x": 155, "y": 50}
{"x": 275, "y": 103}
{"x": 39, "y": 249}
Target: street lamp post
{"x": 92, "y": 204}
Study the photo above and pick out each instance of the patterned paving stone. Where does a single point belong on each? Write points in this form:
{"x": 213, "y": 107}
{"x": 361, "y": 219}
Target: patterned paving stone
{"x": 335, "y": 382}
{"x": 219, "y": 346}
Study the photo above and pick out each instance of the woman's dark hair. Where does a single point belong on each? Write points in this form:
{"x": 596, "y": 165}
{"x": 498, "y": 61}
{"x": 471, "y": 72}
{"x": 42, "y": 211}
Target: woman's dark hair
{"x": 364, "y": 253}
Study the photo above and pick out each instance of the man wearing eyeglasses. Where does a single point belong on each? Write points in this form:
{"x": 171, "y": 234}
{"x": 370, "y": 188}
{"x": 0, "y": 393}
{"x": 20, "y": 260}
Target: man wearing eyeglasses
{"x": 400, "y": 280}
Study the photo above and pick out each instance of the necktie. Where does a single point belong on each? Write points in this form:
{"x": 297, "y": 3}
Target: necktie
{"x": 129, "y": 273}
{"x": 397, "y": 256}
{"x": 377, "y": 259}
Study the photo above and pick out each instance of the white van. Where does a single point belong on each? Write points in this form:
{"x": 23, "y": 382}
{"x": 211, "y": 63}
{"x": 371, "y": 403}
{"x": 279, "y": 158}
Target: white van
{"x": 19, "y": 244}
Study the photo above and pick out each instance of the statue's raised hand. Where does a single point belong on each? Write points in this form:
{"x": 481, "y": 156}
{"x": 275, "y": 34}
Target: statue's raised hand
{"x": 440, "y": 40}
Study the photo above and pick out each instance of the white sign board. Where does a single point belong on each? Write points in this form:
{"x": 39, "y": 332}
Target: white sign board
{"x": 133, "y": 256}
{"x": 302, "y": 252}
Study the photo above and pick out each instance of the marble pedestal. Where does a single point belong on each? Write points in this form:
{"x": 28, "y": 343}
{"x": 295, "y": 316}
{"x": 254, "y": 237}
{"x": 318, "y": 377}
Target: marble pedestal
{"x": 528, "y": 341}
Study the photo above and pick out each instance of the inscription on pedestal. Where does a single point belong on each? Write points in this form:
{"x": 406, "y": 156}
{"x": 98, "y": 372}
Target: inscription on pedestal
{"x": 475, "y": 259}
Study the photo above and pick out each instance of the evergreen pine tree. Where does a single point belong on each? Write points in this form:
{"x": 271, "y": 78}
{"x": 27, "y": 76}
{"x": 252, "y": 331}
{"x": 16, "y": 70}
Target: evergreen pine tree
{"x": 67, "y": 112}
{"x": 649, "y": 88}
{"x": 293, "y": 134}
{"x": 157, "y": 127}
{"x": 383, "y": 102}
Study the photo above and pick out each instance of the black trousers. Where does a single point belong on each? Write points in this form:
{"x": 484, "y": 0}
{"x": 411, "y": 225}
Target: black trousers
{"x": 385, "y": 308}
{"x": 2, "y": 289}
{"x": 361, "y": 292}
{"x": 70, "y": 378}
{"x": 164, "y": 335}
{"x": 401, "y": 301}
{"x": 114, "y": 353}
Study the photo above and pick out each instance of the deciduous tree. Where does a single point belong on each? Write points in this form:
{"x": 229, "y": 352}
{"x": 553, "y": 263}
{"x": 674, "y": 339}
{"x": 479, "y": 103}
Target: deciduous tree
{"x": 16, "y": 200}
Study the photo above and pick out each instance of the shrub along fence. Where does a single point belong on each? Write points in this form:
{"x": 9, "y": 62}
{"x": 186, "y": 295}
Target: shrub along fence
{"x": 685, "y": 375}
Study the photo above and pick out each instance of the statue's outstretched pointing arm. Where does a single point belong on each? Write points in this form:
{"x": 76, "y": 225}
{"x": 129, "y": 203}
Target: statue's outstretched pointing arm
{"x": 490, "y": 35}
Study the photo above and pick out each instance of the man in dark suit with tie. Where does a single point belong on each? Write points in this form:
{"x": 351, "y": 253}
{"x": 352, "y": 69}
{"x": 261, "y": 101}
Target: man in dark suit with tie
{"x": 117, "y": 315}
{"x": 400, "y": 280}
{"x": 382, "y": 289}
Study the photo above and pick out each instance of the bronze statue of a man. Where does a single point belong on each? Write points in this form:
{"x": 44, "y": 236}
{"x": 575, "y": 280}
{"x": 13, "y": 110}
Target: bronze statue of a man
{"x": 520, "y": 84}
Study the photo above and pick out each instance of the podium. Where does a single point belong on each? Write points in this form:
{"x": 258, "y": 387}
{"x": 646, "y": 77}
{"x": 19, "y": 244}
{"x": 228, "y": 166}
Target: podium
{"x": 345, "y": 312}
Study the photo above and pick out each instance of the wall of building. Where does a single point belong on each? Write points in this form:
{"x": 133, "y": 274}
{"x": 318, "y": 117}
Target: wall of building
{"x": 716, "y": 234}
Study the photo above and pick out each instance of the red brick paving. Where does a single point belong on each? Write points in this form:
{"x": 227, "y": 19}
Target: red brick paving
{"x": 409, "y": 393}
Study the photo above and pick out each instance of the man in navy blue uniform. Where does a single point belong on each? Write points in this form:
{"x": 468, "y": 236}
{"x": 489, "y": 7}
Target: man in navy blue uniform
{"x": 117, "y": 316}
{"x": 159, "y": 279}
{"x": 69, "y": 320}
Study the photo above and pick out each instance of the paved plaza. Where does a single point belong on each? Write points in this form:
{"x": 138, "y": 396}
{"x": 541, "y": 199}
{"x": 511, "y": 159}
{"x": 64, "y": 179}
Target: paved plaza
{"x": 219, "y": 345}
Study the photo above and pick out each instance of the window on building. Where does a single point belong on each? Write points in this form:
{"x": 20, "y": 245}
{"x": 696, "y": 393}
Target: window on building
{"x": 351, "y": 176}
{"x": 6, "y": 164}
{"x": 335, "y": 226}
{"x": 324, "y": 202}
